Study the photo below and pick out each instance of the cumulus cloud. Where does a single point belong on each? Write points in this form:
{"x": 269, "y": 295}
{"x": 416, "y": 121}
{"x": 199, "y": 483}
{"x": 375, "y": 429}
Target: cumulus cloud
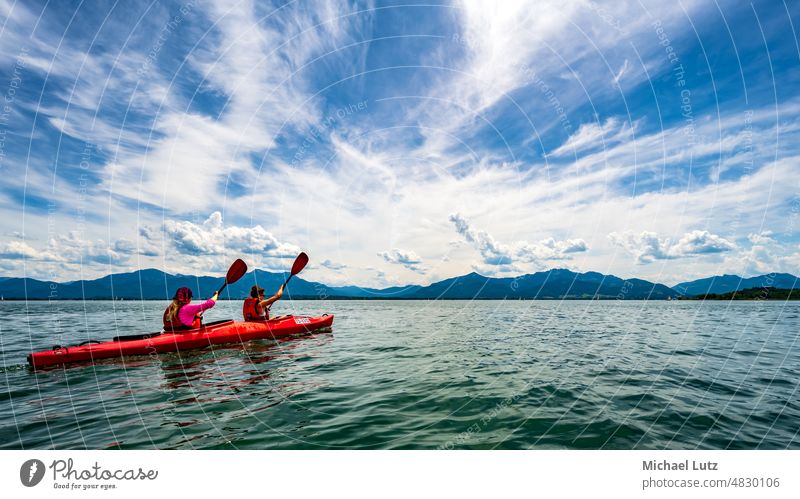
{"x": 212, "y": 237}
{"x": 648, "y": 247}
{"x": 124, "y": 246}
{"x": 550, "y": 249}
{"x": 701, "y": 242}
{"x": 766, "y": 254}
{"x": 18, "y": 250}
{"x": 407, "y": 259}
{"x": 498, "y": 254}
{"x": 72, "y": 249}
{"x": 75, "y": 249}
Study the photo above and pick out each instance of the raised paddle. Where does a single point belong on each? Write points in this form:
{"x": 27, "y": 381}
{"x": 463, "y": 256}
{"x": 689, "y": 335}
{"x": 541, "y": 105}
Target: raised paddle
{"x": 299, "y": 264}
{"x": 235, "y": 272}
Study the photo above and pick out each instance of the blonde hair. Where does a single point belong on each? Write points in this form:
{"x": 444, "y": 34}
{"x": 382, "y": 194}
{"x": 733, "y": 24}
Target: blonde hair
{"x": 173, "y": 308}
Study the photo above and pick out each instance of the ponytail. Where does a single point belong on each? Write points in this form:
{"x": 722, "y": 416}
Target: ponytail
{"x": 172, "y": 310}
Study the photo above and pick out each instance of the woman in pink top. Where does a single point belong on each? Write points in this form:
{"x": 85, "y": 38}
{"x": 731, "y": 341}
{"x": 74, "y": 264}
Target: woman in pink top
{"x": 182, "y": 315}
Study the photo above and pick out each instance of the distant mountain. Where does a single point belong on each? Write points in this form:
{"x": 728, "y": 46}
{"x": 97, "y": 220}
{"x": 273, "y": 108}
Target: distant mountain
{"x": 152, "y": 284}
{"x": 730, "y": 283}
{"x": 386, "y": 293}
{"x": 551, "y": 284}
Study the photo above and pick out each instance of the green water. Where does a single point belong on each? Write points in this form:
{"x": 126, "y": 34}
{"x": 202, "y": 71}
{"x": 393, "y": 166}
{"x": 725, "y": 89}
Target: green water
{"x": 426, "y": 375}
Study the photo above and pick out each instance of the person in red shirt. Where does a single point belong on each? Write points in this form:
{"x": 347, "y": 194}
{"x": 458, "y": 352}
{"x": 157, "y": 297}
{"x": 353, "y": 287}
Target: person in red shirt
{"x": 256, "y": 308}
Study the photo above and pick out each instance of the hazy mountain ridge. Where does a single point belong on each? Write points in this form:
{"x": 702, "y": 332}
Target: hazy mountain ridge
{"x": 729, "y": 283}
{"x": 153, "y": 284}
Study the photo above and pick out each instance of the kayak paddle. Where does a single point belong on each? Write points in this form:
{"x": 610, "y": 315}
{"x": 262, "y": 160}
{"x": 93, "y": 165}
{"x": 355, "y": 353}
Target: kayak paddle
{"x": 299, "y": 264}
{"x": 237, "y": 270}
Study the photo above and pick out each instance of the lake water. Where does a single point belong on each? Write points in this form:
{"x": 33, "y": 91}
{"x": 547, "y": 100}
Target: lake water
{"x": 418, "y": 374}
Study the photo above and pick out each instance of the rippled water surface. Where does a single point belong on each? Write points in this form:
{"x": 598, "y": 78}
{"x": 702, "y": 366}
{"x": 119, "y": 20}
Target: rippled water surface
{"x": 410, "y": 374}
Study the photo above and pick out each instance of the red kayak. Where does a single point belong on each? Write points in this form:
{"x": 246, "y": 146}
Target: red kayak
{"x": 211, "y": 334}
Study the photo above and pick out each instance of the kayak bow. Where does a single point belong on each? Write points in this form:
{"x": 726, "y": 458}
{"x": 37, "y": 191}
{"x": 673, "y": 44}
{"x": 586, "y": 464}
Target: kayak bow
{"x": 218, "y": 333}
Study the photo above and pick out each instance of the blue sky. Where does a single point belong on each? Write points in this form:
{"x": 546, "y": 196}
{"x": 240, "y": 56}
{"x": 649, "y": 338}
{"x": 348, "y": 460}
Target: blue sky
{"x": 398, "y": 143}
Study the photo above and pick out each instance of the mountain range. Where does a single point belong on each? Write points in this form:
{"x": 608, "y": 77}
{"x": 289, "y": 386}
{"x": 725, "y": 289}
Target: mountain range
{"x": 729, "y": 283}
{"x": 153, "y": 284}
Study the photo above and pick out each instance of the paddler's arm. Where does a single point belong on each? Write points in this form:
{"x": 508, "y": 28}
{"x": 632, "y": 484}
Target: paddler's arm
{"x": 272, "y": 299}
{"x": 190, "y": 311}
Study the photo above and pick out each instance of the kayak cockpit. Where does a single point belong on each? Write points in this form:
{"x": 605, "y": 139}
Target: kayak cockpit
{"x": 145, "y": 336}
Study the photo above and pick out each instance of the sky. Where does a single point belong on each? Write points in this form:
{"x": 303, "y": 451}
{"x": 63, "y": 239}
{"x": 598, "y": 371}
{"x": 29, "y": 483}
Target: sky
{"x": 398, "y": 143}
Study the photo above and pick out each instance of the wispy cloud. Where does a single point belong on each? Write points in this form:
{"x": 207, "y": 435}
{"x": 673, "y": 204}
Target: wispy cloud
{"x": 596, "y": 135}
{"x": 496, "y": 119}
{"x": 621, "y": 72}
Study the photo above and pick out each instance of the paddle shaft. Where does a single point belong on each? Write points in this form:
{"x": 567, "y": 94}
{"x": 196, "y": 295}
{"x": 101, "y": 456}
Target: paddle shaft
{"x": 299, "y": 264}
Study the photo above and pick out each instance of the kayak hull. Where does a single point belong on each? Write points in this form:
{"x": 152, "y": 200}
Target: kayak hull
{"x": 226, "y": 332}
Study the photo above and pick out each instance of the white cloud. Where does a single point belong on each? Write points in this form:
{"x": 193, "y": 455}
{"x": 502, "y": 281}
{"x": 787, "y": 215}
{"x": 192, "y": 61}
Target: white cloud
{"x": 595, "y": 135}
{"x": 765, "y": 255}
{"x": 327, "y": 263}
{"x": 550, "y": 249}
{"x": 19, "y": 249}
{"x": 493, "y": 253}
{"x": 765, "y": 237}
{"x": 163, "y": 151}
{"x": 212, "y": 237}
{"x": 647, "y": 246}
{"x": 621, "y": 72}
{"x": 498, "y": 254}
{"x": 701, "y": 242}
{"x": 70, "y": 249}
{"x": 407, "y": 259}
